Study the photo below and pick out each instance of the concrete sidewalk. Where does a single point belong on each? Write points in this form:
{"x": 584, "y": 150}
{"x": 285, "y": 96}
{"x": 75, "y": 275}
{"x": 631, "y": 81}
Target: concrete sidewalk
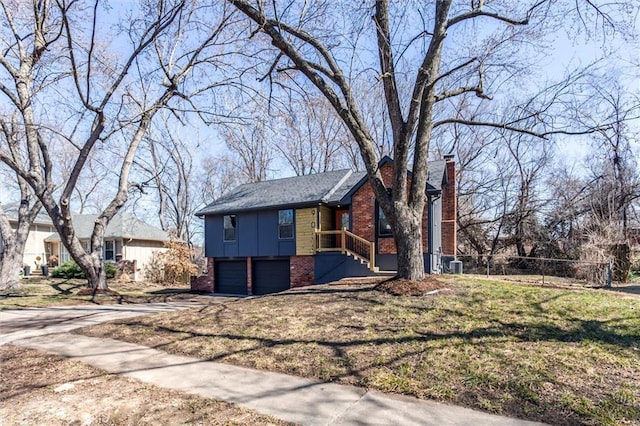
{"x": 287, "y": 397}
{"x": 18, "y": 324}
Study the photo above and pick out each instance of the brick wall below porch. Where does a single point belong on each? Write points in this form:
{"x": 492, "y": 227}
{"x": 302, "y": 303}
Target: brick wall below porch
{"x": 204, "y": 283}
{"x": 302, "y": 270}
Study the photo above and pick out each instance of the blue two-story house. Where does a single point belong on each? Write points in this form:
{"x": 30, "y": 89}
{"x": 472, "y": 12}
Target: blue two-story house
{"x": 269, "y": 236}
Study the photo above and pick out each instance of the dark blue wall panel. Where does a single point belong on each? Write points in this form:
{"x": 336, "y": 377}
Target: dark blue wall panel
{"x": 230, "y": 249}
{"x": 248, "y": 234}
{"x": 287, "y": 247}
{"x": 213, "y": 236}
{"x": 389, "y": 262}
{"x": 268, "y": 233}
{"x": 256, "y": 235}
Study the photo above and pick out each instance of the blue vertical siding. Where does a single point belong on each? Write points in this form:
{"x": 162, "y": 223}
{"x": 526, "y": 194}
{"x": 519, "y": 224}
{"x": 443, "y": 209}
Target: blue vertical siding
{"x": 256, "y": 235}
{"x": 248, "y": 234}
{"x": 268, "y": 233}
{"x": 213, "y": 236}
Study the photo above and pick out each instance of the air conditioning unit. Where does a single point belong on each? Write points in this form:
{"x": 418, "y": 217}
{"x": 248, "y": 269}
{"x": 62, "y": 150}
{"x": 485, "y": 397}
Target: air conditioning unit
{"x": 455, "y": 266}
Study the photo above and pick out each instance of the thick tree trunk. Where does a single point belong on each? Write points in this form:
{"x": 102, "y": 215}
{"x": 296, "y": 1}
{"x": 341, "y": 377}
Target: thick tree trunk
{"x": 14, "y": 243}
{"x": 94, "y": 270}
{"x": 10, "y": 269}
{"x": 91, "y": 263}
{"x": 408, "y": 238}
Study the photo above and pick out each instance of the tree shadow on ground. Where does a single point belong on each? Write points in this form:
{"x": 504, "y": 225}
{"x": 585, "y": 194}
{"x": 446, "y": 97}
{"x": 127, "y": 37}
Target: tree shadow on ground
{"x": 171, "y": 290}
{"x": 65, "y": 291}
{"x": 349, "y": 370}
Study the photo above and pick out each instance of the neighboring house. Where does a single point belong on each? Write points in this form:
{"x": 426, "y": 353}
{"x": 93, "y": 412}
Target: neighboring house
{"x": 270, "y": 236}
{"x": 126, "y": 238}
{"x": 40, "y": 229}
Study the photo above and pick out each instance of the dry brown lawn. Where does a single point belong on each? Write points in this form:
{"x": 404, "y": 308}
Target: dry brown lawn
{"x": 561, "y": 356}
{"x": 43, "y": 389}
{"x": 39, "y": 292}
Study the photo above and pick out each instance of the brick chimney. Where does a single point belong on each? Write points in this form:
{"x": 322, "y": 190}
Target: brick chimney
{"x": 449, "y": 213}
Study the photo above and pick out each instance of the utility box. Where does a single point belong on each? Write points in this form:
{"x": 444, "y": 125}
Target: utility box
{"x": 455, "y": 266}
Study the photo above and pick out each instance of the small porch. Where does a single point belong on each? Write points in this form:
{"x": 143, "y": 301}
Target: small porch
{"x": 348, "y": 243}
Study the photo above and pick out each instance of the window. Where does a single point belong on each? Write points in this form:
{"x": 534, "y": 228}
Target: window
{"x": 230, "y": 227}
{"x": 384, "y": 228}
{"x": 109, "y": 250}
{"x": 64, "y": 255}
{"x": 285, "y": 223}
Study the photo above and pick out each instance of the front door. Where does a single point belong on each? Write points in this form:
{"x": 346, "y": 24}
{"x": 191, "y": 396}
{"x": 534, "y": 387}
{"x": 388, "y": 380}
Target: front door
{"x": 342, "y": 219}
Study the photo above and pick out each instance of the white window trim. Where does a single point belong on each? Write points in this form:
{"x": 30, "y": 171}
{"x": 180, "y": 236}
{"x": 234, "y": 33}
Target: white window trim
{"x": 292, "y": 224}
{"x": 113, "y": 250}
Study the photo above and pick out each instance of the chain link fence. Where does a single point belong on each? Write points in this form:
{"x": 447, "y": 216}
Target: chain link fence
{"x": 537, "y": 270}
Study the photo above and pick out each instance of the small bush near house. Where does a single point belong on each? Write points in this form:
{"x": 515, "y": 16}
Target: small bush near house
{"x": 173, "y": 265}
{"x": 177, "y": 262}
{"x": 154, "y": 269}
{"x": 70, "y": 270}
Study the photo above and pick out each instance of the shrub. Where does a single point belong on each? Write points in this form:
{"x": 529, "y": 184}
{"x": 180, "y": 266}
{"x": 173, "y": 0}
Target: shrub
{"x": 154, "y": 269}
{"x": 171, "y": 266}
{"x": 71, "y": 269}
{"x": 178, "y": 266}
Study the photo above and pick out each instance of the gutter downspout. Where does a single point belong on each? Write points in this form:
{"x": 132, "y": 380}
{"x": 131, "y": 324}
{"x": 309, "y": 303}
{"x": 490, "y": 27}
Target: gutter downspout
{"x": 430, "y": 231}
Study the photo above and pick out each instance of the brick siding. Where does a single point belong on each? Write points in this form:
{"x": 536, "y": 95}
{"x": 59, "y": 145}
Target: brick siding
{"x": 302, "y": 270}
{"x": 363, "y": 209}
{"x": 204, "y": 283}
{"x": 249, "y": 276}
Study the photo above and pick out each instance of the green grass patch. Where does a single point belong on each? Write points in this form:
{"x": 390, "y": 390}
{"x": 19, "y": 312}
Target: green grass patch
{"x": 546, "y": 354}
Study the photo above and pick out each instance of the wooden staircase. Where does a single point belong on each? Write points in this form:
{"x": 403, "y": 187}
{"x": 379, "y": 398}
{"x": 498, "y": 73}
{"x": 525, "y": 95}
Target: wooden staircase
{"x": 348, "y": 243}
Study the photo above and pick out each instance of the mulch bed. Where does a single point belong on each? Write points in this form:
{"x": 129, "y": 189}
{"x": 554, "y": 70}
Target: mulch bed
{"x": 404, "y": 287}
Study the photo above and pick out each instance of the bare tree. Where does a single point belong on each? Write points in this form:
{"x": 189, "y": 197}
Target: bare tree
{"x": 168, "y": 164}
{"x": 310, "y": 136}
{"x": 96, "y": 179}
{"x": 614, "y": 187}
{"x": 251, "y": 149}
{"x": 218, "y": 176}
{"x": 410, "y": 41}
{"x": 13, "y": 240}
{"x": 57, "y": 48}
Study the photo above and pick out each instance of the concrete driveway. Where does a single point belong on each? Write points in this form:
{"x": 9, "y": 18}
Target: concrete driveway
{"x": 18, "y": 324}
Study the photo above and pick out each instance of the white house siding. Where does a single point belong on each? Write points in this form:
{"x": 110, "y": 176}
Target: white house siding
{"x": 35, "y": 245}
{"x": 141, "y": 251}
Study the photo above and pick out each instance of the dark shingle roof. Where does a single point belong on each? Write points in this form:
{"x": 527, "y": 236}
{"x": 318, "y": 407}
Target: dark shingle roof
{"x": 329, "y": 188}
{"x": 347, "y": 186}
{"x": 298, "y": 190}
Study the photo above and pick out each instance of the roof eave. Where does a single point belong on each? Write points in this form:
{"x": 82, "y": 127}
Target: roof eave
{"x": 263, "y": 208}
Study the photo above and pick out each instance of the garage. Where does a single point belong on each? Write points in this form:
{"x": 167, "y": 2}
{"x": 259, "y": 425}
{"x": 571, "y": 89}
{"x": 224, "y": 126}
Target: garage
{"x": 270, "y": 275}
{"x": 231, "y": 276}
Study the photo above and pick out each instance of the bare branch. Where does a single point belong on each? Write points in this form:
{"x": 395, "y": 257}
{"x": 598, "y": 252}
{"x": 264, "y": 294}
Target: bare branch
{"x": 478, "y": 12}
{"x": 542, "y": 135}
{"x": 466, "y": 89}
